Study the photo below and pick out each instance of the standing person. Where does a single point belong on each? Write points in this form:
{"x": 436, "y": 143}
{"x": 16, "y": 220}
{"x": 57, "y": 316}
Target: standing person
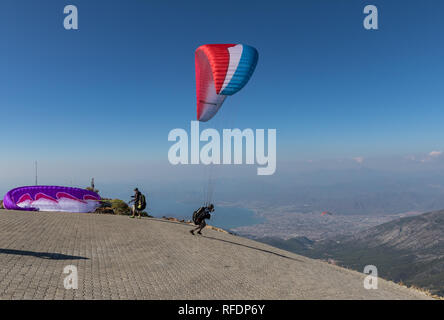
{"x": 139, "y": 203}
{"x": 200, "y": 216}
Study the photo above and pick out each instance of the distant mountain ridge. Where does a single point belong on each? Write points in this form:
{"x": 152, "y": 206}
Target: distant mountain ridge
{"x": 408, "y": 250}
{"x": 420, "y": 233}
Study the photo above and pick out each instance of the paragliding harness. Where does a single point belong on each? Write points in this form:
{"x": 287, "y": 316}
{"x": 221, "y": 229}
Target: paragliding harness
{"x": 200, "y": 214}
{"x": 141, "y": 205}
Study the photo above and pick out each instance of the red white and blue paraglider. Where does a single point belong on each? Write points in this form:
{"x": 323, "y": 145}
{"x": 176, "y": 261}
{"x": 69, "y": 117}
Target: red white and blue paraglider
{"x": 221, "y": 71}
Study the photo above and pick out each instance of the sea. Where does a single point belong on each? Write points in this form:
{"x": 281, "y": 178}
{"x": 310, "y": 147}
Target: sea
{"x": 224, "y": 217}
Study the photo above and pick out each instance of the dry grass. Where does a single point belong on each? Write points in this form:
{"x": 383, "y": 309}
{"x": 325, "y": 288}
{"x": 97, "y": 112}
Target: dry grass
{"x": 424, "y": 291}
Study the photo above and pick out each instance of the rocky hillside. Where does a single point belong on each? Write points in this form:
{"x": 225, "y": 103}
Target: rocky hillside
{"x": 408, "y": 250}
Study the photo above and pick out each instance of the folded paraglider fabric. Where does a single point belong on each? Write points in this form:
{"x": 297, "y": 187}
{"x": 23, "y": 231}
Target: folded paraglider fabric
{"x": 51, "y": 198}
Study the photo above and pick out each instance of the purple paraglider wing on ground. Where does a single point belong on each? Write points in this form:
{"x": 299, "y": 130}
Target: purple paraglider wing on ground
{"x": 51, "y": 198}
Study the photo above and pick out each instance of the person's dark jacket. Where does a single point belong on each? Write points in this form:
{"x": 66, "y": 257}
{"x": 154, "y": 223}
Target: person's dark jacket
{"x": 136, "y": 198}
{"x": 203, "y": 213}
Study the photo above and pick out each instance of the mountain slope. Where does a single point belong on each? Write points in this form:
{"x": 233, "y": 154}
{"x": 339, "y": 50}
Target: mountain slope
{"x": 408, "y": 250}
{"x": 122, "y": 258}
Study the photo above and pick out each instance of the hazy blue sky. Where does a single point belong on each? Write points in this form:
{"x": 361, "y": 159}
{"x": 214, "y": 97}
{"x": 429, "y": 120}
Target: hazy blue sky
{"x": 101, "y": 100}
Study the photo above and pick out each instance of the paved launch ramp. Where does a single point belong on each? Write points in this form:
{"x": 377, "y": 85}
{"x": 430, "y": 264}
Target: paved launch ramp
{"x": 121, "y": 258}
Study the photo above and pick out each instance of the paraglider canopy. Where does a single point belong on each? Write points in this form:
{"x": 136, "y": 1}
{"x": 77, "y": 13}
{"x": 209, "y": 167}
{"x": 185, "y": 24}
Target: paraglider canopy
{"x": 221, "y": 71}
{"x": 51, "y": 198}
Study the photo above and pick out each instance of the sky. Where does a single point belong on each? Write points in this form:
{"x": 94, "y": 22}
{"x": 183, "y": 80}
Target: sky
{"x": 100, "y": 101}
